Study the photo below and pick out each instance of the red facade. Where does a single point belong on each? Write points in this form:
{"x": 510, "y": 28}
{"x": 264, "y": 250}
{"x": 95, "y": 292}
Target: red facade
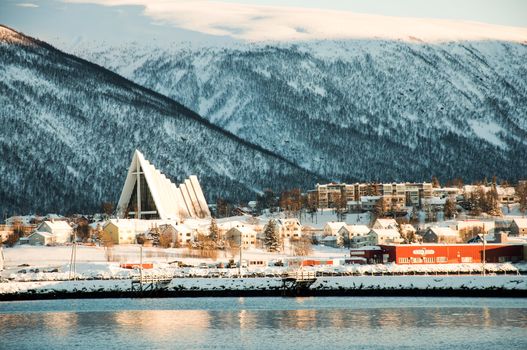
{"x": 451, "y": 253}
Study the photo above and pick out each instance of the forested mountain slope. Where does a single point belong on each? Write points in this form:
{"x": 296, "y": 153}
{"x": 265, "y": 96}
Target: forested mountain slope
{"x": 69, "y": 129}
{"x": 354, "y": 109}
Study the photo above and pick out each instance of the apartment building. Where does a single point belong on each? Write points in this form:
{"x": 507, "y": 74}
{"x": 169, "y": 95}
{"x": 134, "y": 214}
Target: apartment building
{"x": 331, "y": 195}
{"x": 396, "y": 195}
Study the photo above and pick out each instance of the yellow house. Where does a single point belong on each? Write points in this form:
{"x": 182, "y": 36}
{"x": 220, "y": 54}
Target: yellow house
{"x": 124, "y": 231}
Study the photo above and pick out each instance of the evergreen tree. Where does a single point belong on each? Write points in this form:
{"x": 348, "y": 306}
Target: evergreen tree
{"x": 521, "y": 192}
{"x": 214, "y": 231}
{"x": 450, "y": 208}
{"x": 271, "y": 239}
{"x": 492, "y": 204}
{"x": 414, "y": 219}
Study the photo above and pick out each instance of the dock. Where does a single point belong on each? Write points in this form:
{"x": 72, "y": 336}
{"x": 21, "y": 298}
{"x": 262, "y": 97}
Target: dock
{"x": 146, "y": 283}
{"x": 298, "y": 282}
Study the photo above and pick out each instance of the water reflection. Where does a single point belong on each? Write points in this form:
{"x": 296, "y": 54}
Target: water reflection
{"x": 240, "y": 327}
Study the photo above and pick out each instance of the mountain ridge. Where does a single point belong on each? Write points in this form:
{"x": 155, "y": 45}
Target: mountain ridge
{"x": 71, "y": 126}
{"x": 449, "y": 102}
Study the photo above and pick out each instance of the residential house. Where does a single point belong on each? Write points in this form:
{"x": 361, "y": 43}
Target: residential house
{"x": 332, "y": 228}
{"x": 289, "y": 228}
{"x": 441, "y": 235}
{"x": 385, "y": 224}
{"x": 384, "y": 236}
{"x": 246, "y": 234}
{"x": 41, "y": 238}
{"x": 62, "y": 231}
{"x": 124, "y": 231}
{"x": 181, "y": 233}
{"x": 519, "y": 227}
{"x": 347, "y": 233}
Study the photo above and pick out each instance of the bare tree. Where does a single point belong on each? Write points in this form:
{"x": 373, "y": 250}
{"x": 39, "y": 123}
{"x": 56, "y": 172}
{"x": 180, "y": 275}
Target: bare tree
{"x": 302, "y": 246}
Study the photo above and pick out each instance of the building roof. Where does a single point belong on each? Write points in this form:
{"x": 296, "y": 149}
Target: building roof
{"x": 367, "y": 247}
{"x": 357, "y": 229}
{"x": 244, "y": 230}
{"x": 520, "y": 222}
{"x": 136, "y": 224}
{"x": 58, "y": 225}
{"x": 386, "y": 223}
{"x": 444, "y": 231}
{"x": 334, "y": 226}
{"x": 287, "y": 221}
{"x": 408, "y": 228}
{"x": 171, "y": 201}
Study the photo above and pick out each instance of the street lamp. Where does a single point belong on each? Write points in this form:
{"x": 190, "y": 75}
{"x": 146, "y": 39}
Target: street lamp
{"x": 484, "y": 253}
{"x": 240, "y": 264}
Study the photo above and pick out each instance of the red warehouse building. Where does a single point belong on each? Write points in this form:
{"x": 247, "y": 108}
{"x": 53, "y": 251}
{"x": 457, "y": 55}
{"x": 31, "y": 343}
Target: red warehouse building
{"x": 451, "y": 253}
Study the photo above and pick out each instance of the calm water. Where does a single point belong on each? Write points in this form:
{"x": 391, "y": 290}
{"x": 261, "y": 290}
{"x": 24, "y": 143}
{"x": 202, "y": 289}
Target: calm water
{"x": 265, "y": 323}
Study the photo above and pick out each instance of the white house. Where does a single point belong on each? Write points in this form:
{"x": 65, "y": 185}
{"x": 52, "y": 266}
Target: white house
{"x": 246, "y": 234}
{"x": 124, "y": 231}
{"x": 289, "y": 228}
{"x": 41, "y": 238}
{"x": 354, "y": 230}
{"x": 183, "y": 234}
{"x": 385, "y": 224}
{"x": 385, "y": 236}
{"x": 332, "y": 227}
{"x": 347, "y": 233}
{"x": 62, "y": 231}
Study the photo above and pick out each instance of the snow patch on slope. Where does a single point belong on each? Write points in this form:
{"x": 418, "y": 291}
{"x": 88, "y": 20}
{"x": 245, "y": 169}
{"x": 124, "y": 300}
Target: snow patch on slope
{"x": 488, "y": 131}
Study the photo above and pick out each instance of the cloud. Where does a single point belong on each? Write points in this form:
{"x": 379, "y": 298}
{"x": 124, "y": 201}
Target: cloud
{"x": 278, "y": 23}
{"x": 26, "y": 4}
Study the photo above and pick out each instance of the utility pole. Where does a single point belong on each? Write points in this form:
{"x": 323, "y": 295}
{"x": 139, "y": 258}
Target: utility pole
{"x": 2, "y": 259}
{"x": 240, "y": 265}
{"x": 484, "y": 253}
{"x": 73, "y": 261}
{"x": 141, "y": 265}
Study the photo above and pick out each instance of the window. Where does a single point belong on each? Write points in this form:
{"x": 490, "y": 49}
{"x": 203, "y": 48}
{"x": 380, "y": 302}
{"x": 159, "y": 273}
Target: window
{"x": 404, "y": 260}
{"x": 466, "y": 259}
{"x": 417, "y": 260}
{"x": 502, "y": 259}
{"x": 441, "y": 259}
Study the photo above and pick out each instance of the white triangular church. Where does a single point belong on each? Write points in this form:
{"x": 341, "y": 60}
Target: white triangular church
{"x": 149, "y": 194}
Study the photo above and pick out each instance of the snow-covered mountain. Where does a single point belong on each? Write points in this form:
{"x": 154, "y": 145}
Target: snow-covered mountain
{"x": 353, "y": 109}
{"x": 69, "y": 129}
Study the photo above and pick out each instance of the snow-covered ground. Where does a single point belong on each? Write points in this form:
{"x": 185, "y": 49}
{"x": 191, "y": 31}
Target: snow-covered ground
{"x": 274, "y": 283}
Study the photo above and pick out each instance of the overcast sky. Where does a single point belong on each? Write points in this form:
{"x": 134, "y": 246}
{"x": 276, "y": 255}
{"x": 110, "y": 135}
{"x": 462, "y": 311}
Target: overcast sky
{"x": 114, "y": 20}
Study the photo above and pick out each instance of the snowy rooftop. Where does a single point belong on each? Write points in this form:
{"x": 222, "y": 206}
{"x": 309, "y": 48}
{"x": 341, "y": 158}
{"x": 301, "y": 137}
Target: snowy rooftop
{"x": 444, "y": 231}
{"x": 58, "y": 225}
{"x": 386, "y": 232}
{"x": 521, "y": 222}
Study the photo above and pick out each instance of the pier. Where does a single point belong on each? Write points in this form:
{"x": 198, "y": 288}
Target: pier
{"x": 152, "y": 283}
{"x": 298, "y": 282}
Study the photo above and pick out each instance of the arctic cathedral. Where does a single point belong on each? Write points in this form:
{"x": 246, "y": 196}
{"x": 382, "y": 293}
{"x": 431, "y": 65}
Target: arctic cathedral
{"x": 149, "y": 194}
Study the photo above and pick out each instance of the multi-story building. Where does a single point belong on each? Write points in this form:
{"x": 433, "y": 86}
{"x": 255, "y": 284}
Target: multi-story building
{"x": 331, "y": 195}
{"x": 396, "y": 195}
